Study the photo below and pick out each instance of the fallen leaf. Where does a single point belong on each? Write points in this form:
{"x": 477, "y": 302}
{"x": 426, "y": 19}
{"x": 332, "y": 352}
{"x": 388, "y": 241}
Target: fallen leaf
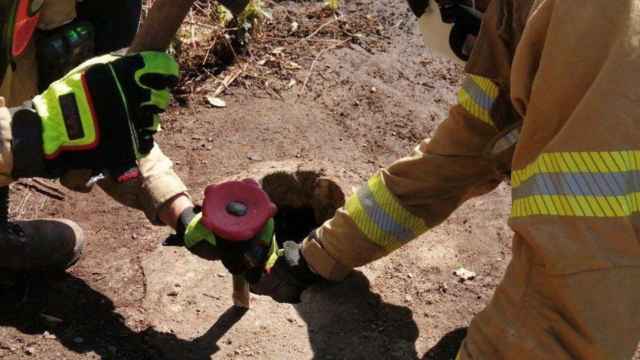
{"x": 216, "y": 102}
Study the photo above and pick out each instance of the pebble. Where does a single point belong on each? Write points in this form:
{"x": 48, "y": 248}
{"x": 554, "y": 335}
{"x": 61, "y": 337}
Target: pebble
{"x": 48, "y": 335}
{"x": 30, "y": 350}
{"x": 464, "y": 274}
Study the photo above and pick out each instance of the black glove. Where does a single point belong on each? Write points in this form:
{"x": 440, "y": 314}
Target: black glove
{"x": 245, "y": 258}
{"x": 288, "y": 278}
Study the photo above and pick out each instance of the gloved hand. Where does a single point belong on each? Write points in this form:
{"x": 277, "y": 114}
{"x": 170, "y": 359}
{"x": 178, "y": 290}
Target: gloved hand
{"x": 100, "y": 116}
{"x": 249, "y": 258}
{"x": 288, "y": 278}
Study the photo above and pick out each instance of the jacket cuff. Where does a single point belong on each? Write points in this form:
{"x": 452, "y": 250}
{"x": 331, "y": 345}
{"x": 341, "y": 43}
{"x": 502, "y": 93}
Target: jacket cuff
{"x": 320, "y": 262}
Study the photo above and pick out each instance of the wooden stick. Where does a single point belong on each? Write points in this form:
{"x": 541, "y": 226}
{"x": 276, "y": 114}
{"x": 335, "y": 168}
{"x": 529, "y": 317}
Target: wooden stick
{"x": 241, "y": 296}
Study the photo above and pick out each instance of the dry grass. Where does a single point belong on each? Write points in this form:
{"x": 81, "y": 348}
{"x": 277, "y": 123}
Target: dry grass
{"x": 272, "y": 47}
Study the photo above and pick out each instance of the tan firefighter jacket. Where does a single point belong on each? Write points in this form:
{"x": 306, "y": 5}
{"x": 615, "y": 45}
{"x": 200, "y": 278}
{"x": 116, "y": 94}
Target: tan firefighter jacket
{"x": 552, "y": 96}
{"x": 159, "y": 182}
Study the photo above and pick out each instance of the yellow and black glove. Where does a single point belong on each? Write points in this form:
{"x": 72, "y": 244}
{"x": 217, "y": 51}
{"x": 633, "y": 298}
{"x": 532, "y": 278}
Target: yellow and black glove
{"x": 250, "y": 258}
{"x": 100, "y": 116}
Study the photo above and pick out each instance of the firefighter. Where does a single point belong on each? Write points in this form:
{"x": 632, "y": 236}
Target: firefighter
{"x": 98, "y": 119}
{"x": 552, "y": 101}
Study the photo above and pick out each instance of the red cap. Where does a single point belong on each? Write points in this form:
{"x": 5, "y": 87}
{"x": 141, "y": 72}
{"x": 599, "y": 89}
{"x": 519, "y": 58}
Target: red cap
{"x": 236, "y": 210}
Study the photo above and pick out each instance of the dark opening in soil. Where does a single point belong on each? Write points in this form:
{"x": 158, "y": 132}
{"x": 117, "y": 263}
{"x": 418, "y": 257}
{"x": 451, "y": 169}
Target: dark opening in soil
{"x": 305, "y": 200}
{"x": 294, "y": 224}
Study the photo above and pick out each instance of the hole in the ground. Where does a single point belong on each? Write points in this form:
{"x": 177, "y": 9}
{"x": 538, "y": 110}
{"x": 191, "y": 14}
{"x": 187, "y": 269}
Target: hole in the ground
{"x": 293, "y": 224}
{"x": 305, "y": 200}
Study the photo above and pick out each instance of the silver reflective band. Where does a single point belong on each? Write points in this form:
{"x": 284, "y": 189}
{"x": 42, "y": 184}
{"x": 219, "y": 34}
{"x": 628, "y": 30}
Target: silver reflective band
{"x": 580, "y": 184}
{"x": 381, "y": 218}
{"x": 507, "y": 141}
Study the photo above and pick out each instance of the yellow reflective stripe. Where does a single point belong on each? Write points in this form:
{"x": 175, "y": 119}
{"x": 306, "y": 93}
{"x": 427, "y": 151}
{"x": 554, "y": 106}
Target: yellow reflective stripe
{"x": 381, "y": 218}
{"x": 580, "y": 184}
{"x": 392, "y": 206}
{"x": 579, "y": 162}
{"x": 578, "y": 206}
{"x": 477, "y": 97}
{"x": 369, "y": 228}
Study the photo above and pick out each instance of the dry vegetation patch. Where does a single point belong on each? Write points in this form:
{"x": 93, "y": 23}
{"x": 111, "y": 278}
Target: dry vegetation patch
{"x": 274, "y": 46}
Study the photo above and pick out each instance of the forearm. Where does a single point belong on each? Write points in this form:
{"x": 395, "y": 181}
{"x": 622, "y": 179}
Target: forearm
{"x": 170, "y": 212}
{"x": 161, "y": 25}
{"x": 406, "y": 199}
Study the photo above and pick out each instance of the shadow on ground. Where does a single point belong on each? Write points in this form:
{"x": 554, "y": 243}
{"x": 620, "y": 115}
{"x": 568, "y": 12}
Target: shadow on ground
{"x": 90, "y": 323}
{"x": 348, "y": 321}
{"x": 345, "y": 321}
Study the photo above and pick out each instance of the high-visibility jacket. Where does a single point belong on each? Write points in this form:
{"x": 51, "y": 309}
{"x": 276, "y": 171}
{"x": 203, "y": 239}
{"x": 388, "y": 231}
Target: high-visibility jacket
{"x": 553, "y": 99}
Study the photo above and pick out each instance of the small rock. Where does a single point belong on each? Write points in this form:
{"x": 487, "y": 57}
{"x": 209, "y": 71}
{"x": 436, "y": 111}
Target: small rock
{"x": 464, "y": 274}
{"x": 78, "y": 340}
{"x": 443, "y": 288}
{"x": 220, "y": 275}
{"x": 48, "y": 335}
{"x": 291, "y": 320}
{"x": 410, "y": 275}
{"x": 374, "y": 90}
{"x": 228, "y": 341}
{"x": 30, "y": 350}
{"x": 172, "y": 293}
{"x": 408, "y": 299}
{"x": 254, "y": 157}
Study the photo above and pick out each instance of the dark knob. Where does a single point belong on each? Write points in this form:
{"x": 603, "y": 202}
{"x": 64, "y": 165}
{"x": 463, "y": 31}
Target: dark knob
{"x": 237, "y": 209}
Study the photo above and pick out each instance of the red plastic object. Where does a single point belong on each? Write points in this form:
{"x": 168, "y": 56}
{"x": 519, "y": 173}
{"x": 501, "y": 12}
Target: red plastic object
{"x": 217, "y": 218}
{"x": 25, "y": 24}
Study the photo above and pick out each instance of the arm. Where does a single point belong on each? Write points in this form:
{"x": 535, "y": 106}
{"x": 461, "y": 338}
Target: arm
{"x": 417, "y": 193}
{"x": 408, "y": 198}
{"x": 156, "y": 33}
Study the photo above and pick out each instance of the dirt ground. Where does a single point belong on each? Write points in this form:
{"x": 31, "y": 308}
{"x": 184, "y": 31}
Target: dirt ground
{"x": 364, "y": 103}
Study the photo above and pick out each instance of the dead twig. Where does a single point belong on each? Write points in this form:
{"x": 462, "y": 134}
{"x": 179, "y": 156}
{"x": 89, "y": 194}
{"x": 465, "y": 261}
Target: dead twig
{"x": 43, "y": 188}
{"x": 229, "y": 79}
